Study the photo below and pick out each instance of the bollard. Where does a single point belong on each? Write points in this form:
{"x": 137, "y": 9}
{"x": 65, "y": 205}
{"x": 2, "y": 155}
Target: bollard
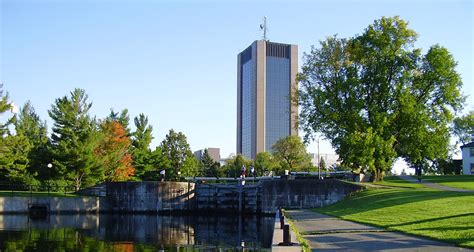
{"x": 282, "y": 222}
{"x": 286, "y": 235}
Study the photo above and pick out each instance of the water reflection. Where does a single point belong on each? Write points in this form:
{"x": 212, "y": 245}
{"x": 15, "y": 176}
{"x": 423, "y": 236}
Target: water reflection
{"x": 110, "y": 232}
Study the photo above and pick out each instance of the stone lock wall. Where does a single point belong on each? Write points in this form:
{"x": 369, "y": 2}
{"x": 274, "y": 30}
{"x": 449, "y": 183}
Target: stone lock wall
{"x": 149, "y": 196}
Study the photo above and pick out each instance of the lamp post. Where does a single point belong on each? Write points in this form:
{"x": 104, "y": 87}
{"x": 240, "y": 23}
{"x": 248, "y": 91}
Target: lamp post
{"x": 49, "y": 175}
{"x": 319, "y": 163}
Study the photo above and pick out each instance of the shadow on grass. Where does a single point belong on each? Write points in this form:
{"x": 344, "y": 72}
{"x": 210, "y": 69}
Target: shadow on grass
{"x": 374, "y": 199}
{"x": 433, "y": 219}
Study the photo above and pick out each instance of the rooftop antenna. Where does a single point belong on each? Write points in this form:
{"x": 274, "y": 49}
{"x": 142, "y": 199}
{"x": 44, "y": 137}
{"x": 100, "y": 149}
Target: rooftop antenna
{"x": 264, "y": 28}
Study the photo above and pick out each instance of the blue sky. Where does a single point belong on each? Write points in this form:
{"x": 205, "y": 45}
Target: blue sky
{"x": 176, "y": 61}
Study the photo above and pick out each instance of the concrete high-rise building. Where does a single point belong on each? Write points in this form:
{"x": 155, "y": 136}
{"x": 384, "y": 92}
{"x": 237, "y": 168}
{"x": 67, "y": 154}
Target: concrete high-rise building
{"x": 266, "y": 82}
{"x": 214, "y": 153}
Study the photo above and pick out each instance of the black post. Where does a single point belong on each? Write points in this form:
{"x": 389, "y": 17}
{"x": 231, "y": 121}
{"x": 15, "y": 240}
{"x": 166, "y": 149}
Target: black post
{"x": 286, "y": 235}
{"x": 282, "y": 222}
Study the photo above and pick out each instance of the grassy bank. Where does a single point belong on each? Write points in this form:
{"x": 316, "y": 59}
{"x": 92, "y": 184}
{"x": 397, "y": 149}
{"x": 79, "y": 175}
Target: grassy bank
{"x": 456, "y": 181}
{"x": 398, "y": 182}
{"x": 441, "y": 215}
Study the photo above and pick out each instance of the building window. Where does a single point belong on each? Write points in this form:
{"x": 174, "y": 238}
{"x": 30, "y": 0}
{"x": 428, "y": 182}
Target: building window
{"x": 472, "y": 151}
{"x": 472, "y": 168}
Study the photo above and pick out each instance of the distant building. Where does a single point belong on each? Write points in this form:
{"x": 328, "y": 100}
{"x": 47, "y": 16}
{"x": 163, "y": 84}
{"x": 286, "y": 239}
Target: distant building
{"x": 329, "y": 159}
{"x": 215, "y": 154}
{"x": 468, "y": 158}
{"x": 266, "y": 82}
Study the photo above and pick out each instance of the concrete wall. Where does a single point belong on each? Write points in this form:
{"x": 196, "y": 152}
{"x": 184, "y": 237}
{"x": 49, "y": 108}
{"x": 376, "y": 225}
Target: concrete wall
{"x": 303, "y": 193}
{"x": 53, "y": 204}
{"x": 149, "y": 196}
{"x": 253, "y": 197}
{"x": 266, "y": 196}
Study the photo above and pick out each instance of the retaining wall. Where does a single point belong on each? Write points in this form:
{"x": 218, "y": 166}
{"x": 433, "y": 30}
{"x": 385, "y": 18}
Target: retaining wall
{"x": 149, "y": 196}
{"x": 52, "y": 204}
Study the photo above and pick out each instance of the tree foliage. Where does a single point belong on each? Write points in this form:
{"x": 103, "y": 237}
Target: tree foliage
{"x": 208, "y": 167}
{"x": 291, "y": 154}
{"x": 266, "y": 162}
{"x": 144, "y": 159}
{"x": 376, "y": 97}
{"x": 464, "y": 128}
{"x": 74, "y": 140}
{"x": 28, "y": 125}
{"x": 113, "y": 152}
{"x": 233, "y": 166}
{"x": 176, "y": 149}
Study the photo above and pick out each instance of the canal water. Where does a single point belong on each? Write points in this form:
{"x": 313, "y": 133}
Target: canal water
{"x": 132, "y": 232}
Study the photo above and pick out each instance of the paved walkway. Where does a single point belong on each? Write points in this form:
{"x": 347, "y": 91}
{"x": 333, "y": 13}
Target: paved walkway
{"x": 434, "y": 185}
{"x": 329, "y": 233}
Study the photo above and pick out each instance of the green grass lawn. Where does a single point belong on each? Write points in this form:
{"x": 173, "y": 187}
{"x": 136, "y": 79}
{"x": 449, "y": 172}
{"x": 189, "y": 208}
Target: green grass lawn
{"x": 456, "y": 181}
{"x": 34, "y": 194}
{"x": 395, "y": 181}
{"x": 441, "y": 215}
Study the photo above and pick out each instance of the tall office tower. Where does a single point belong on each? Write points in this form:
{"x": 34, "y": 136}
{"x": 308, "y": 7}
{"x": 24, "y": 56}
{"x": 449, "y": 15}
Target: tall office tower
{"x": 266, "y": 73}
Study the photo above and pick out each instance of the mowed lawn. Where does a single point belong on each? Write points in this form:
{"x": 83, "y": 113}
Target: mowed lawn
{"x": 456, "y": 181}
{"x": 398, "y": 182}
{"x": 440, "y": 215}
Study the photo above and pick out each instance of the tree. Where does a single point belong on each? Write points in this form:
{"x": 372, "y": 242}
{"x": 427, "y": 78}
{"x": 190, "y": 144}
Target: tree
{"x": 265, "y": 161}
{"x": 122, "y": 118}
{"x": 209, "y": 167}
{"x": 113, "y": 152}
{"x": 28, "y": 125}
{"x": 464, "y": 128}
{"x": 291, "y": 154}
{"x": 4, "y": 107}
{"x": 141, "y": 140}
{"x": 233, "y": 166}
{"x": 376, "y": 98}
{"x": 14, "y": 160}
{"x": 74, "y": 140}
{"x": 322, "y": 164}
{"x": 176, "y": 149}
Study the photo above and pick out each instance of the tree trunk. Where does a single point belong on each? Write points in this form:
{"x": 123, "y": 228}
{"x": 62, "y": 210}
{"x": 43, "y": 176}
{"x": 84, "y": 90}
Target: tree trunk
{"x": 378, "y": 175}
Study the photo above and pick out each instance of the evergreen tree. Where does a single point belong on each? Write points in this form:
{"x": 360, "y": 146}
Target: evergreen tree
{"x": 28, "y": 124}
{"x": 4, "y": 107}
{"x": 209, "y": 167}
{"x": 322, "y": 164}
{"x": 74, "y": 139}
{"x": 144, "y": 160}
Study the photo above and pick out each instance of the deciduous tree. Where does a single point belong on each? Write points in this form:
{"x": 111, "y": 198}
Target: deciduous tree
{"x": 265, "y": 161}
{"x": 113, "y": 152}
{"x": 176, "y": 149}
{"x": 464, "y": 128}
{"x": 375, "y": 97}
{"x": 291, "y": 154}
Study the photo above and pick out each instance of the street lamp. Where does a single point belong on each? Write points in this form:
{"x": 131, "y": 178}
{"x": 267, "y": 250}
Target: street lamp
{"x": 49, "y": 175}
{"x": 319, "y": 163}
